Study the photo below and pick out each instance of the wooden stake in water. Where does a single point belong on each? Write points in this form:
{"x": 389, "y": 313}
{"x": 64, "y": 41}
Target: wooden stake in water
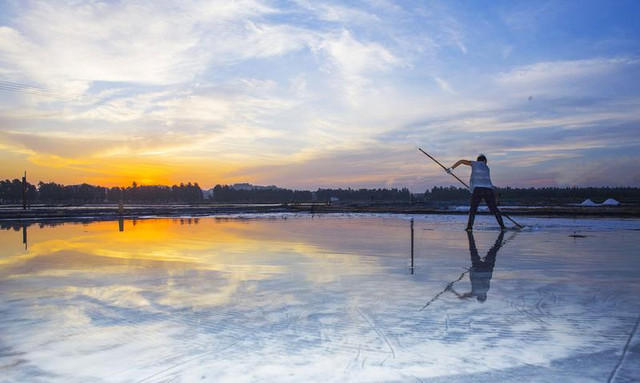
{"x": 24, "y": 191}
{"x": 411, "y": 246}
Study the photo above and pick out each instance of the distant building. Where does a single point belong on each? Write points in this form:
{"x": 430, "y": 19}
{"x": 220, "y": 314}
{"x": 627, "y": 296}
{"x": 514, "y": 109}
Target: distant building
{"x": 207, "y": 194}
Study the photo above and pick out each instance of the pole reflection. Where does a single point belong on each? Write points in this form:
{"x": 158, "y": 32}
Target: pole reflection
{"x": 24, "y": 235}
{"x": 412, "y": 264}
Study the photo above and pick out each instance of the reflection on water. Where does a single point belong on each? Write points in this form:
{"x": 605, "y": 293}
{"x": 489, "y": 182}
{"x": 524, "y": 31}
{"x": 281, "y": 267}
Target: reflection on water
{"x": 412, "y": 247}
{"x": 312, "y": 298}
{"x": 481, "y": 269}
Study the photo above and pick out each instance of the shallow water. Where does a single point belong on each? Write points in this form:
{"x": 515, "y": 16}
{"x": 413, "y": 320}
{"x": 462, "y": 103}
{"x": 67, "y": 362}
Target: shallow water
{"x": 335, "y": 298}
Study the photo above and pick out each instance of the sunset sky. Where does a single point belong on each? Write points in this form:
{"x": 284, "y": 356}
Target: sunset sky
{"x": 306, "y": 94}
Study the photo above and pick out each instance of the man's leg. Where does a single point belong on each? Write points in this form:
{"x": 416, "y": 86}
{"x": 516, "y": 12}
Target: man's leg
{"x": 490, "y": 200}
{"x": 473, "y": 250}
{"x": 473, "y": 207}
{"x": 490, "y": 258}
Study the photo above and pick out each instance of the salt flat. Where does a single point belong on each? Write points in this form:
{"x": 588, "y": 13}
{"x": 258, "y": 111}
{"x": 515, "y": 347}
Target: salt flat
{"x": 332, "y": 298}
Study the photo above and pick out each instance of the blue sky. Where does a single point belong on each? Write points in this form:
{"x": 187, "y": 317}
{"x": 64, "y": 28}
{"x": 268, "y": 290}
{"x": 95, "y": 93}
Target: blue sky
{"x": 308, "y": 94}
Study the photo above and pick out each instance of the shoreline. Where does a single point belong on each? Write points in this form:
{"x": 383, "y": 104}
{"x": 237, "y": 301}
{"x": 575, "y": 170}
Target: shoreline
{"x": 112, "y": 212}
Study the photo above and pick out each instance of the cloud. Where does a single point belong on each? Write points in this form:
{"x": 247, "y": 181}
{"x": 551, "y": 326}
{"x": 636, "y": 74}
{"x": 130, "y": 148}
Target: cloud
{"x": 134, "y": 42}
{"x": 352, "y": 57}
{"x": 375, "y": 164}
{"x": 82, "y": 148}
{"x": 100, "y": 42}
{"x": 554, "y": 70}
{"x": 566, "y": 145}
{"x": 250, "y": 40}
{"x": 529, "y": 17}
{"x": 53, "y": 144}
{"x": 356, "y": 62}
{"x": 444, "y": 85}
{"x": 569, "y": 77}
{"x": 596, "y": 171}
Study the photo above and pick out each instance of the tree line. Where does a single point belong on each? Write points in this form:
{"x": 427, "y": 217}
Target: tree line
{"x": 225, "y": 193}
{"x": 11, "y": 192}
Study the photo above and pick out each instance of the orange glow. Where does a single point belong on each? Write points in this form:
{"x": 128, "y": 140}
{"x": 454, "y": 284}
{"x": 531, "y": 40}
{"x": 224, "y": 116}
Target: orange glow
{"x": 235, "y": 246}
{"x": 120, "y": 171}
{"x": 124, "y": 171}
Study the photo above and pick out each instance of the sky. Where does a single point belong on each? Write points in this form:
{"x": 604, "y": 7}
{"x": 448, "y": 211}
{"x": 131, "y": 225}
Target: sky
{"x": 313, "y": 94}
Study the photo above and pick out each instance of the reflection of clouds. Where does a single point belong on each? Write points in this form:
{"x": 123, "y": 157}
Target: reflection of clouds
{"x": 321, "y": 298}
{"x": 194, "y": 297}
{"x": 118, "y": 295}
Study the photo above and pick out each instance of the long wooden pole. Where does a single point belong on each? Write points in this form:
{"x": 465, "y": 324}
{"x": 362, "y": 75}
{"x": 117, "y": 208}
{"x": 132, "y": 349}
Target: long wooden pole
{"x": 467, "y": 186}
{"x": 442, "y": 166}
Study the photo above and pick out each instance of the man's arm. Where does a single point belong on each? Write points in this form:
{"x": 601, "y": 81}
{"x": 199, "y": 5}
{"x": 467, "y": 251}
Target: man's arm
{"x": 460, "y": 162}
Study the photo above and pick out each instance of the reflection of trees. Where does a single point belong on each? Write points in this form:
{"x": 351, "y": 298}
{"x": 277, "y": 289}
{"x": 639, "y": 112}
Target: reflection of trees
{"x": 19, "y": 225}
{"x": 10, "y": 226}
{"x": 186, "y": 221}
{"x": 16, "y": 226}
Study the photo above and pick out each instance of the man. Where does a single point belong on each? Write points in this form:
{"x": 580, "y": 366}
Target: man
{"x": 481, "y": 189}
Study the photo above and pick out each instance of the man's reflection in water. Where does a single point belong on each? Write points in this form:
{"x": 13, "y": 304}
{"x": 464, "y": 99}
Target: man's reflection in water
{"x": 481, "y": 269}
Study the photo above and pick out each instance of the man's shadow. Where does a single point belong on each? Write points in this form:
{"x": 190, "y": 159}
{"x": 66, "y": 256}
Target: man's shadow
{"x": 481, "y": 270}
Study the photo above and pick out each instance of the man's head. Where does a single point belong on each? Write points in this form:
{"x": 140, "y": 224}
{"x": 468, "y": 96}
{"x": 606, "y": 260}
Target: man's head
{"x": 482, "y": 158}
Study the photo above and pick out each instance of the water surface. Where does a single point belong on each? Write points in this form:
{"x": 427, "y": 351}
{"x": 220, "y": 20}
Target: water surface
{"x": 293, "y": 298}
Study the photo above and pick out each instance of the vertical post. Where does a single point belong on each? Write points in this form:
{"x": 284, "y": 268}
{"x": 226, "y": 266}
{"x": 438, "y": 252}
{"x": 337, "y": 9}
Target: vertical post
{"x": 24, "y": 191}
{"x": 411, "y": 246}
